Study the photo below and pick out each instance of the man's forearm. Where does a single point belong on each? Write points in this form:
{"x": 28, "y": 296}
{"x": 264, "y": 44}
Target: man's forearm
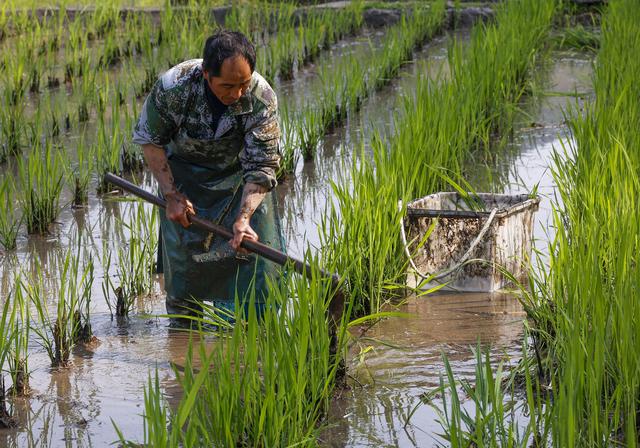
{"x": 179, "y": 208}
{"x": 157, "y": 162}
{"x": 252, "y": 196}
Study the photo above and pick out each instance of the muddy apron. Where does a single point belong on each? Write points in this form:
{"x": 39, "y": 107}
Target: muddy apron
{"x": 198, "y": 265}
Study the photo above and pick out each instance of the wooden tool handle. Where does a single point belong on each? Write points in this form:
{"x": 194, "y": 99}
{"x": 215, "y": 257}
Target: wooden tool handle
{"x": 256, "y": 247}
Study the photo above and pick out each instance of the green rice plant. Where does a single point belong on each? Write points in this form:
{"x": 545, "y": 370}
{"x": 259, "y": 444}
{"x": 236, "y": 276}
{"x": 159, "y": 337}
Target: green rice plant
{"x": 71, "y": 324}
{"x": 186, "y": 44}
{"x": 41, "y": 179}
{"x": 102, "y": 97}
{"x": 135, "y": 261}
{"x": 21, "y": 18}
{"x": 290, "y": 153}
{"x": 166, "y": 30}
{"x": 11, "y": 126}
{"x": 273, "y": 375}
{"x": 51, "y": 71}
{"x": 15, "y": 84}
{"x": 4, "y": 20}
{"x": 9, "y": 219}
{"x": 579, "y": 38}
{"x": 286, "y": 53}
{"x": 311, "y": 129}
{"x": 6, "y": 336}
{"x": 81, "y": 173}
{"x": 261, "y": 19}
{"x": 138, "y": 29}
{"x": 18, "y": 355}
{"x": 438, "y": 127}
{"x": 53, "y": 122}
{"x": 105, "y": 19}
{"x": 87, "y": 87}
{"x": 111, "y": 53}
{"x": 76, "y": 53}
{"x": 584, "y": 302}
{"x": 131, "y": 154}
{"x": 491, "y": 418}
{"x": 108, "y": 151}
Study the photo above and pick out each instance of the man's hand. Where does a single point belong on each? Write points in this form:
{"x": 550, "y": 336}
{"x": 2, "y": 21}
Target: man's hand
{"x": 179, "y": 208}
{"x": 252, "y": 196}
{"x": 242, "y": 230}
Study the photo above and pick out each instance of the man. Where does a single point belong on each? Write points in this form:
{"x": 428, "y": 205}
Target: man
{"x": 210, "y": 136}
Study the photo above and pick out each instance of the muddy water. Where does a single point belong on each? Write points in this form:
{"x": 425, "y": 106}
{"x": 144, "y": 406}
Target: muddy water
{"x": 401, "y": 360}
{"x": 76, "y": 406}
{"x": 104, "y": 386}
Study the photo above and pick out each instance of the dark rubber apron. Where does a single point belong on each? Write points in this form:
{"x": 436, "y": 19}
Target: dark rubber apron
{"x": 196, "y": 264}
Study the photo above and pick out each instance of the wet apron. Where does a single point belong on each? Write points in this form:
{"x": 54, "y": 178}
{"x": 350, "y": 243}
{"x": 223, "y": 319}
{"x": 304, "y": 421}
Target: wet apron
{"x": 197, "y": 264}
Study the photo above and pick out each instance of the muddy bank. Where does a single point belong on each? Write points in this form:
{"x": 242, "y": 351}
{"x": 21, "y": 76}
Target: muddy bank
{"x": 373, "y": 17}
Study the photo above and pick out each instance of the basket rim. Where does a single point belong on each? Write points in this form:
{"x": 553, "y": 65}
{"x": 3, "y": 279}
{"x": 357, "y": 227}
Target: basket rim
{"x": 527, "y": 202}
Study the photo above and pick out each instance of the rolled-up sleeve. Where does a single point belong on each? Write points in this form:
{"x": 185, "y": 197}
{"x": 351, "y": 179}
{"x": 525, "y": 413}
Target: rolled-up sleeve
{"x": 260, "y": 158}
{"x": 157, "y": 123}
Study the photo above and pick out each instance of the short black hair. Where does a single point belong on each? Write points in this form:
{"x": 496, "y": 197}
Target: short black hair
{"x": 226, "y": 44}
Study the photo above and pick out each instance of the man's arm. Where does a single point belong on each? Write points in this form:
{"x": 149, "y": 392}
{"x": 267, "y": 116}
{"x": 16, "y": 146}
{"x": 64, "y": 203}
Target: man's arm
{"x": 252, "y": 196}
{"x": 260, "y": 160}
{"x": 178, "y": 206}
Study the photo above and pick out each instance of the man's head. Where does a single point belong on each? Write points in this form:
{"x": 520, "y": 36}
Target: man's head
{"x": 228, "y": 63}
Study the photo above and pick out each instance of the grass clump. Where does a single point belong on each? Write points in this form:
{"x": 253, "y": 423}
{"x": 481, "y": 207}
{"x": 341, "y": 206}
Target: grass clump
{"x": 579, "y": 38}
{"x": 135, "y": 261}
{"x": 71, "y": 324}
{"x": 9, "y": 219}
{"x": 584, "y": 305}
{"x": 266, "y": 382}
{"x": 7, "y": 332}
{"x": 41, "y": 180}
{"x": 20, "y": 322}
{"x": 440, "y": 125}
{"x": 491, "y": 419}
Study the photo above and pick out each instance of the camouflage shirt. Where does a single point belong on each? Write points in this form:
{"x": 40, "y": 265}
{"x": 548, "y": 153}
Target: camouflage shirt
{"x": 176, "y": 116}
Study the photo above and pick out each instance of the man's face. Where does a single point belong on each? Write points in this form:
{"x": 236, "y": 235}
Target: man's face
{"x": 233, "y": 82}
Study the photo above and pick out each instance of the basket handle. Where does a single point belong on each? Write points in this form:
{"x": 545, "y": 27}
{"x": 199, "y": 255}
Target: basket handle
{"x": 463, "y": 260}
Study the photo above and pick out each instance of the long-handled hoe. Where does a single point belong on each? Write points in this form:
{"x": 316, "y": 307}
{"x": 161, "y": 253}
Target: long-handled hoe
{"x": 337, "y": 302}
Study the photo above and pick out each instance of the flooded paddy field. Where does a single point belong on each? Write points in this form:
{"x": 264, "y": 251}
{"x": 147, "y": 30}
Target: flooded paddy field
{"x": 391, "y": 363}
